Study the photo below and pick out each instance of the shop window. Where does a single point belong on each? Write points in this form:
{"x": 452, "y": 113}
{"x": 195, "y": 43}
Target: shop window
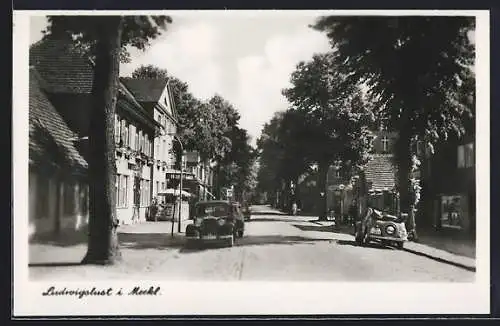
{"x": 451, "y": 211}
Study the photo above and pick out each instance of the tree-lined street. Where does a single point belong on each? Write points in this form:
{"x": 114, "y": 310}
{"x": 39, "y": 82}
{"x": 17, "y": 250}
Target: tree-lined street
{"x": 275, "y": 247}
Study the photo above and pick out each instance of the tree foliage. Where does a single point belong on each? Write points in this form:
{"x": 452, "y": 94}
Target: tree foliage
{"x": 336, "y": 117}
{"x": 210, "y": 128}
{"x": 418, "y": 73}
{"x": 84, "y": 31}
{"x": 150, "y": 72}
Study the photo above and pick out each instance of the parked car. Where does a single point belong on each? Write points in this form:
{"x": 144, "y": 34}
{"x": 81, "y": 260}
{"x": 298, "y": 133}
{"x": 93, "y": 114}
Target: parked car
{"x": 385, "y": 228}
{"x": 216, "y": 220}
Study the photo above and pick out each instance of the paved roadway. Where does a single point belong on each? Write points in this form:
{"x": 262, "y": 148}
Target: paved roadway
{"x": 274, "y": 248}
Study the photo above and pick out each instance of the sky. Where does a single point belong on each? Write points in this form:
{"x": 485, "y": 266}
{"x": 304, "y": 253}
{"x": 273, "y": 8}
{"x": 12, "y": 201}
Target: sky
{"x": 246, "y": 58}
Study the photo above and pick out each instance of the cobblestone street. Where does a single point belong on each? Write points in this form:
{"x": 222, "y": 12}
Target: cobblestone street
{"x": 274, "y": 247}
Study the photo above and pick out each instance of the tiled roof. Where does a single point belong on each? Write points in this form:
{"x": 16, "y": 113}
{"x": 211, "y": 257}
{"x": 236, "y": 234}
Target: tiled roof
{"x": 145, "y": 90}
{"x": 63, "y": 69}
{"x": 50, "y": 144}
{"x": 380, "y": 172}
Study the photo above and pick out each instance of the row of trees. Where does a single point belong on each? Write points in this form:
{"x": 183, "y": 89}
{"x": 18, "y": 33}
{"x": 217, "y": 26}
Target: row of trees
{"x": 414, "y": 73}
{"x": 210, "y": 127}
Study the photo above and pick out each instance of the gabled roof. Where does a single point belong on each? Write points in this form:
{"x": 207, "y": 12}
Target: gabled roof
{"x": 63, "y": 69}
{"x": 145, "y": 89}
{"x": 380, "y": 172}
{"x": 50, "y": 144}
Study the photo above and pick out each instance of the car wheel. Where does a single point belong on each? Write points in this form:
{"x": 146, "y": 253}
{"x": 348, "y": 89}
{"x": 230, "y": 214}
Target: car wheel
{"x": 400, "y": 245}
{"x": 240, "y": 234}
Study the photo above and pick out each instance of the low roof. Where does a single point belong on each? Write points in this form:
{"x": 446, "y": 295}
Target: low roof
{"x": 50, "y": 144}
{"x": 63, "y": 69}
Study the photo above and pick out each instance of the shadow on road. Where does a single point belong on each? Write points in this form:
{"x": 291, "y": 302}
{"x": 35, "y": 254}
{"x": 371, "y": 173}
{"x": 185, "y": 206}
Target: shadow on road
{"x": 253, "y": 219}
{"x": 150, "y": 240}
{"x": 274, "y": 213}
{"x": 368, "y": 245}
{"x": 256, "y": 241}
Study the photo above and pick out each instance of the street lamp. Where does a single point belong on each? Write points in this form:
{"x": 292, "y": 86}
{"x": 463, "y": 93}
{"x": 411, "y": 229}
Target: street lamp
{"x": 180, "y": 185}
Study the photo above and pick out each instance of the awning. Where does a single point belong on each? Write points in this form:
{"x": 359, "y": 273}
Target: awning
{"x": 175, "y": 192}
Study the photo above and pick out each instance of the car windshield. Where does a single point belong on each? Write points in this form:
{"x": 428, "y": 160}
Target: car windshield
{"x": 216, "y": 209}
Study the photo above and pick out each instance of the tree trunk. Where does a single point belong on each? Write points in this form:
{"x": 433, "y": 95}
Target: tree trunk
{"x": 404, "y": 166}
{"x": 103, "y": 246}
{"x": 322, "y": 173}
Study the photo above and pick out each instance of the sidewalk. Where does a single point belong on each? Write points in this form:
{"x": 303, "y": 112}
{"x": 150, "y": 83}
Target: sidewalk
{"x": 441, "y": 246}
{"x": 70, "y": 249}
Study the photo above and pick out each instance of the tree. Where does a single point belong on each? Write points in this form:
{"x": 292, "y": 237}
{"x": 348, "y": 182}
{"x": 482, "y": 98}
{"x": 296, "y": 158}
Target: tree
{"x": 335, "y": 118}
{"x": 150, "y": 72}
{"x": 105, "y": 39}
{"x": 418, "y": 73}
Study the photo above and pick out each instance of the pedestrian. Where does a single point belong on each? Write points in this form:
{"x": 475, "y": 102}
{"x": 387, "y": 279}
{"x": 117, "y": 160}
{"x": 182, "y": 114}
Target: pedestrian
{"x": 294, "y": 208}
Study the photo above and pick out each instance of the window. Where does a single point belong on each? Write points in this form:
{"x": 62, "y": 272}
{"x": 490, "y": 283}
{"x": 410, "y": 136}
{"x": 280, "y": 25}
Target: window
{"x": 157, "y": 152}
{"x": 42, "y": 197}
{"x": 143, "y": 145}
{"x": 144, "y": 201}
{"x": 469, "y": 155}
{"x": 121, "y": 193}
{"x": 385, "y": 144}
{"x": 461, "y": 156}
{"x": 69, "y": 202}
{"x": 163, "y": 150}
{"x": 148, "y": 145}
{"x": 117, "y": 129}
{"x": 131, "y": 140}
{"x": 163, "y": 186}
{"x": 157, "y": 186}
{"x": 126, "y": 134}
{"x": 137, "y": 139}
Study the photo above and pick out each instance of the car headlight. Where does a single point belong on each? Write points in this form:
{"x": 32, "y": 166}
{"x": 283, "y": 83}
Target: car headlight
{"x": 221, "y": 222}
{"x": 390, "y": 229}
{"x": 198, "y": 221}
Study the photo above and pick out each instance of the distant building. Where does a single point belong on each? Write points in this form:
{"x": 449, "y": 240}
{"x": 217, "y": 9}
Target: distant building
{"x": 379, "y": 174}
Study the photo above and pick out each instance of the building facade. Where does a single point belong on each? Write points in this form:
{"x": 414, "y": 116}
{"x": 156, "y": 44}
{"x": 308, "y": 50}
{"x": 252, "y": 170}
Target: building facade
{"x": 449, "y": 186}
{"x": 58, "y": 191}
{"x": 67, "y": 85}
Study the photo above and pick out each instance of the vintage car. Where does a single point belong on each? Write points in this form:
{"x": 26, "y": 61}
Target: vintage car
{"x": 215, "y": 221}
{"x": 381, "y": 227}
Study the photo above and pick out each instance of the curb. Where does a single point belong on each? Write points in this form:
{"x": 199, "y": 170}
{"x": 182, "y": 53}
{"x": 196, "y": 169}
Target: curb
{"x": 441, "y": 260}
